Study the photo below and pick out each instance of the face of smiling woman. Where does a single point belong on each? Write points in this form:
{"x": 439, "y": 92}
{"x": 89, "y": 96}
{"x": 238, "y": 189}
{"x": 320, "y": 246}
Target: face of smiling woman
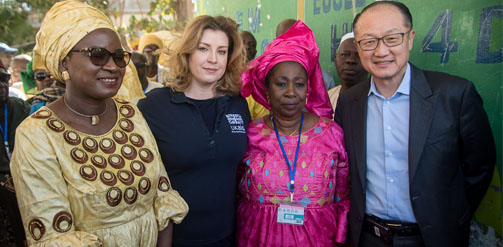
{"x": 208, "y": 62}
{"x": 92, "y": 81}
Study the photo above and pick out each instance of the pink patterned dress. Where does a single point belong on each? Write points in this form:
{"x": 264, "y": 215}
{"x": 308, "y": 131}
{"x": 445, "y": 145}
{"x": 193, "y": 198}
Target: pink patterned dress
{"x": 321, "y": 185}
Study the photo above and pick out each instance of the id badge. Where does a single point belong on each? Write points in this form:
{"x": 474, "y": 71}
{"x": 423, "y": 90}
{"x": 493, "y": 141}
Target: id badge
{"x": 291, "y": 214}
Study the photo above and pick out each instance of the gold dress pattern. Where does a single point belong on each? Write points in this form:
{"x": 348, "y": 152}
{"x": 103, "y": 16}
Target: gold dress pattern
{"x": 76, "y": 189}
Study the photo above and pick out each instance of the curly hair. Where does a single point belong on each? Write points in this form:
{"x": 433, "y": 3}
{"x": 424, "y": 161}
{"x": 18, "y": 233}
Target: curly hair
{"x": 180, "y": 76}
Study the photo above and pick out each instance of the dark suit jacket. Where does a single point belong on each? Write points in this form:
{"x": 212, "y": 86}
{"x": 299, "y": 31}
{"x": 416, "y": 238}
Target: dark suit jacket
{"x": 451, "y": 154}
{"x": 18, "y": 110}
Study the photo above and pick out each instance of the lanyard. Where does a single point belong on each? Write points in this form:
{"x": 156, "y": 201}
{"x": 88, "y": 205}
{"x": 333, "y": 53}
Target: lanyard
{"x": 145, "y": 88}
{"x": 291, "y": 168}
{"x": 4, "y": 132}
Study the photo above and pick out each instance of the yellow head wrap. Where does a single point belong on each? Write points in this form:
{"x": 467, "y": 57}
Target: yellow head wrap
{"x": 150, "y": 39}
{"x": 168, "y": 38}
{"x": 64, "y": 25}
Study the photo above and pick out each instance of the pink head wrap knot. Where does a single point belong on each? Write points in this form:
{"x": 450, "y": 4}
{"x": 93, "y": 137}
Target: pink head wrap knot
{"x": 299, "y": 45}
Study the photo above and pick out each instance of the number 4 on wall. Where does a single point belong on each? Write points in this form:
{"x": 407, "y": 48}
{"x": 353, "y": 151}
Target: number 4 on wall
{"x": 445, "y": 46}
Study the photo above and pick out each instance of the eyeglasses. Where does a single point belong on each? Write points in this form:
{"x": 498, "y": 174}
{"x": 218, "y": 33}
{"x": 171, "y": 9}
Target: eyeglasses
{"x": 389, "y": 40}
{"x": 4, "y": 77}
{"x": 100, "y": 56}
{"x": 42, "y": 76}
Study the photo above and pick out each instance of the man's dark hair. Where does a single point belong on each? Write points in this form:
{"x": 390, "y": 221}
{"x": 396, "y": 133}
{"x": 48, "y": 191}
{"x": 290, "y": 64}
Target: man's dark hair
{"x": 284, "y": 25}
{"x": 248, "y": 34}
{"x": 407, "y": 17}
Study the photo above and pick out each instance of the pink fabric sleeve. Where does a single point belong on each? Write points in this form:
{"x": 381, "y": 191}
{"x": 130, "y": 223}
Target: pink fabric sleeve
{"x": 342, "y": 194}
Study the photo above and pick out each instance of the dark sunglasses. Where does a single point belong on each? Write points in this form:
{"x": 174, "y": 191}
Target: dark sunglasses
{"x": 100, "y": 56}
{"x": 4, "y": 77}
{"x": 42, "y": 76}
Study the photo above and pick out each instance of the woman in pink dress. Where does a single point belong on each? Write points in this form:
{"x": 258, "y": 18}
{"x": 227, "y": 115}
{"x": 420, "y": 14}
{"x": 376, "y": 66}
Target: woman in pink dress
{"x": 294, "y": 188}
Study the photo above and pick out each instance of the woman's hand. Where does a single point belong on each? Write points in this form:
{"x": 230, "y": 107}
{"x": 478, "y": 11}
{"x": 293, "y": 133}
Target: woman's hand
{"x": 165, "y": 237}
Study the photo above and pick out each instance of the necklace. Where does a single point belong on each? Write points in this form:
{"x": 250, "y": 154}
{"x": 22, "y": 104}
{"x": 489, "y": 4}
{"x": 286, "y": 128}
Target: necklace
{"x": 293, "y": 132}
{"x": 291, "y": 167}
{"x": 95, "y": 119}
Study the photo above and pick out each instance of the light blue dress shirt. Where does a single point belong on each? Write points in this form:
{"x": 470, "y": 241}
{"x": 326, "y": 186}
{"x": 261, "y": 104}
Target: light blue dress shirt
{"x": 387, "y": 153}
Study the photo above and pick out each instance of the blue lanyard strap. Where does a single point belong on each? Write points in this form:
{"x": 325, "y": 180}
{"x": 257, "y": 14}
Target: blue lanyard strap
{"x": 290, "y": 167}
{"x": 145, "y": 89}
{"x": 4, "y": 131}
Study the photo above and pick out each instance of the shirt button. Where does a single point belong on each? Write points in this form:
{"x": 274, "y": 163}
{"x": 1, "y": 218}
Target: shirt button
{"x": 391, "y": 180}
{"x": 387, "y": 102}
{"x": 392, "y": 206}
{"x": 390, "y": 154}
{"x": 389, "y": 127}
{"x": 212, "y": 142}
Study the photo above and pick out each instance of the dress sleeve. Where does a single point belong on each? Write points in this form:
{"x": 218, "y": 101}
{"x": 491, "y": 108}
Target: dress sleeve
{"x": 42, "y": 193}
{"x": 168, "y": 204}
{"x": 342, "y": 194}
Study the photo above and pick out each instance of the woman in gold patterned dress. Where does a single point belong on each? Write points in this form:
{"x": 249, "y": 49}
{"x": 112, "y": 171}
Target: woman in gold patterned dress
{"x": 86, "y": 168}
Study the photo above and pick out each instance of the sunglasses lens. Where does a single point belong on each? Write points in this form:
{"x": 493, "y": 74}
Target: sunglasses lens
{"x": 99, "y": 57}
{"x": 41, "y": 76}
{"x": 121, "y": 58}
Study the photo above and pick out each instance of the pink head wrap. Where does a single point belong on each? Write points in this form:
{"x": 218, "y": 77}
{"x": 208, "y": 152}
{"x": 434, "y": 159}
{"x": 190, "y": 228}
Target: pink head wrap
{"x": 299, "y": 45}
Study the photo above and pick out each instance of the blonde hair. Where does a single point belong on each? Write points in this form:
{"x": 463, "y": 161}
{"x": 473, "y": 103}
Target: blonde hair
{"x": 180, "y": 76}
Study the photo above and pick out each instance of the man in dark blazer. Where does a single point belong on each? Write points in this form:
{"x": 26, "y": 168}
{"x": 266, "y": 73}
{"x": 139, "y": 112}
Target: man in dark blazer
{"x": 420, "y": 147}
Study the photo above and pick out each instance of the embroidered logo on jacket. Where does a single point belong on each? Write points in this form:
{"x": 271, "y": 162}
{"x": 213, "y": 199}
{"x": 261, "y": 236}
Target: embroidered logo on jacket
{"x": 236, "y": 123}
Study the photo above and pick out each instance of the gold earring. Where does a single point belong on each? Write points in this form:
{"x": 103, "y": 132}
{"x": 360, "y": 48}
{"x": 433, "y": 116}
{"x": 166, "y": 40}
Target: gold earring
{"x": 65, "y": 75}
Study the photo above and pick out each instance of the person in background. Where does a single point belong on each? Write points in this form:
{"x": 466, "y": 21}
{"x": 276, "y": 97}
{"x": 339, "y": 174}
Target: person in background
{"x": 36, "y": 80}
{"x": 152, "y": 46}
{"x": 420, "y": 146}
{"x": 51, "y": 90}
{"x": 30, "y": 86}
{"x": 250, "y": 45}
{"x": 86, "y": 169}
{"x": 282, "y": 27}
{"x": 295, "y": 159}
{"x": 12, "y": 111}
{"x": 140, "y": 62}
{"x": 6, "y": 54}
{"x": 348, "y": 66}
{"x": 199, "y": 122}
{"x": 17, "y": 65}
{"x": 43, "y": 79}
{"x": 42, "y": 87}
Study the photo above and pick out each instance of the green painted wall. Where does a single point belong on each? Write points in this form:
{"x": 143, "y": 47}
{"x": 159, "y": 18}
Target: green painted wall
{"x": 257, "y": 17}
{"x": 460, "y": 37}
